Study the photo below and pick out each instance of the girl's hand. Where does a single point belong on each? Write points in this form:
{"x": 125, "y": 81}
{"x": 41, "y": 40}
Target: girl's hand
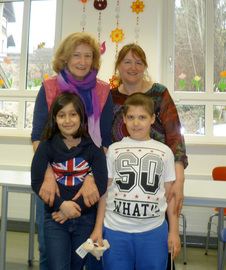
{"x": 70, "y": 209}
{"x": 174, "y": 239}
{"x": 59, "y": 217}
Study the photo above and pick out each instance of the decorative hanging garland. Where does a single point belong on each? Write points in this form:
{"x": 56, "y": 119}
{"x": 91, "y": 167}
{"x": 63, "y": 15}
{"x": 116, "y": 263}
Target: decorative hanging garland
{"x": 100, "y": 5}
{"x": 137, "y": 7}
{"x": 83, "y": 21}
{"x": 117, "y": 34}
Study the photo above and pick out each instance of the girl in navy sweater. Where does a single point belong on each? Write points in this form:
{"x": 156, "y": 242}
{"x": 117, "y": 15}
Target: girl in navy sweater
{"x": 65, "y": 144}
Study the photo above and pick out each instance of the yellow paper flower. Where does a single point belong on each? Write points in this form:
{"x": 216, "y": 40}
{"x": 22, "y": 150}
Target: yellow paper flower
{"x": 46, "y": 76}
{"x": 114, "y": 82}
{"x": 1, "y": 82}
{"x": 137, "y": 6}
{"x": 197, "y": 78}
{"x": 223, "y": 73}
{"x": 116, "y": 35}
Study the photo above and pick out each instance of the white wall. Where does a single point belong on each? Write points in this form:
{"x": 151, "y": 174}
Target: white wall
{"x": 17, "y": 153}
{"x": 149, "y": 24}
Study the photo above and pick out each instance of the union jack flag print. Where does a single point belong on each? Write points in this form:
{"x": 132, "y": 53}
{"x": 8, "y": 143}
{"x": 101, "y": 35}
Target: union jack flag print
{"x": 71, "y": 172}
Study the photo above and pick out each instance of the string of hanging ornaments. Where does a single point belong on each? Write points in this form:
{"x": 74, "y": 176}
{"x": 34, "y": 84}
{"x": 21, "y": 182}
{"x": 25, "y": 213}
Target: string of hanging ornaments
{"x": 137, "y": 7}
{"x": 100, "y": 5}
{"x": 83, "y": 21}
{"x": 116, "y": 36}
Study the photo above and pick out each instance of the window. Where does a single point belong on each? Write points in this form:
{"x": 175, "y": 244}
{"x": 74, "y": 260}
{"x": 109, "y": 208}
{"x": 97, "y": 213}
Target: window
{"x": 196, "y": 67}
{"x": 28, "y": 33}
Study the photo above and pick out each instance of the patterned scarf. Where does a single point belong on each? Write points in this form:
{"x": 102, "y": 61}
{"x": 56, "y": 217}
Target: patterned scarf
{"x": 87, "y": 93}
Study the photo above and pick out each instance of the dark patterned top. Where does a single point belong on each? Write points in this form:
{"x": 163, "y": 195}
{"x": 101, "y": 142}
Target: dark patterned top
{"x": 167, "y": 127}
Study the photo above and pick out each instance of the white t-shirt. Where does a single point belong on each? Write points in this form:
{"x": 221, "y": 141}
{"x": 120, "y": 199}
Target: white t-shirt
{"x": 136, "y": 199}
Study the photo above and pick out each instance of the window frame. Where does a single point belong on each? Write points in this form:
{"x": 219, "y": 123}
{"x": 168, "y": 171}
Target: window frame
{"x": 207, "y": 98}
{"x": 22, "y": 95}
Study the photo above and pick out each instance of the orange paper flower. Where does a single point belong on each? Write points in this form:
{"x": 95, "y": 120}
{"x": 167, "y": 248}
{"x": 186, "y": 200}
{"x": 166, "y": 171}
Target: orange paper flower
{"x": 137, "y": 6}
{"x": 114, "y": 82}
{"x": 223, "y": 73}
{"x": 46, "y": 76}
{"x": 117, "y": 35}
{"x": 1, "y": 82}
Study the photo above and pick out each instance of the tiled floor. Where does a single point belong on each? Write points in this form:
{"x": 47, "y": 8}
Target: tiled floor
{"x": 17, "y": 255}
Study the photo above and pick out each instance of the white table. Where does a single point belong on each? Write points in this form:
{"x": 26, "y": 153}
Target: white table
{"x": 16, "y": 181}
{"x": 208, "y": 193}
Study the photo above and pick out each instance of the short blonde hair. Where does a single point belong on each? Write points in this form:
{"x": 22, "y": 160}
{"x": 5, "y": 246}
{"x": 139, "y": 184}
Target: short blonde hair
{"x": 67, "y": 46}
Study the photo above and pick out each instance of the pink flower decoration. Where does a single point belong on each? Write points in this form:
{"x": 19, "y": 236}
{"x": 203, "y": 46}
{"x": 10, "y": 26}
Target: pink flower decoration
{"x": 37, "y": 75}
{"x": 182, "y": 76}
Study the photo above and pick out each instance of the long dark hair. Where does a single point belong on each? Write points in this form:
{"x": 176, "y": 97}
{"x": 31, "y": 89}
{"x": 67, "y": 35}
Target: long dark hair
{"x": 51, "y": 127}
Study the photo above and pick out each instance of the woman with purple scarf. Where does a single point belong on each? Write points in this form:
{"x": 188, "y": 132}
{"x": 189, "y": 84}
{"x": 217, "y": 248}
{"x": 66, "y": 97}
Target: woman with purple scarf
{"x": 76, "y": 62}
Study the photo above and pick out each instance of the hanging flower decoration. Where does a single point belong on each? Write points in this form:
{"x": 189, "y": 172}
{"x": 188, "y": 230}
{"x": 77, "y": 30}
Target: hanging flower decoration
{"x": 196, "y": 82}
{"x": 41, "y": 45}
{"x": 181, "y": 81}
{"x": 7, "y": 60}
{"x": 137, "y": 7}
{"x": 114, "y": 82}
{"x": 102, "y": 48}
{"x": 222, "y": 86}
{"x": 83, "y": 1}
{"x": 117, "y": 35}
{"x": 100, "y": 4}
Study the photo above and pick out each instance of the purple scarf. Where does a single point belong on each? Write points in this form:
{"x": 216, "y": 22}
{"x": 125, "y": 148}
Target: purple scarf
{"x": 86, "y": 91}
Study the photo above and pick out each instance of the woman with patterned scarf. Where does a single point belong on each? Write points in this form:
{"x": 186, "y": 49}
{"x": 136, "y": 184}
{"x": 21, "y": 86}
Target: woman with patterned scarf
{"x": 76, "y": 62}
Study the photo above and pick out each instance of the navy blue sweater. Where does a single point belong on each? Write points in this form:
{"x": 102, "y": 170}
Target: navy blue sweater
{"x": 70, "y": 167}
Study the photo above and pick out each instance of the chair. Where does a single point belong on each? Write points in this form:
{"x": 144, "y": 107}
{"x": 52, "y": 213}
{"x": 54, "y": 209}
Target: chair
{"x": 222, "y": 237}
{"x": 184, "y": 224}
{"x": 218, "y": 174}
